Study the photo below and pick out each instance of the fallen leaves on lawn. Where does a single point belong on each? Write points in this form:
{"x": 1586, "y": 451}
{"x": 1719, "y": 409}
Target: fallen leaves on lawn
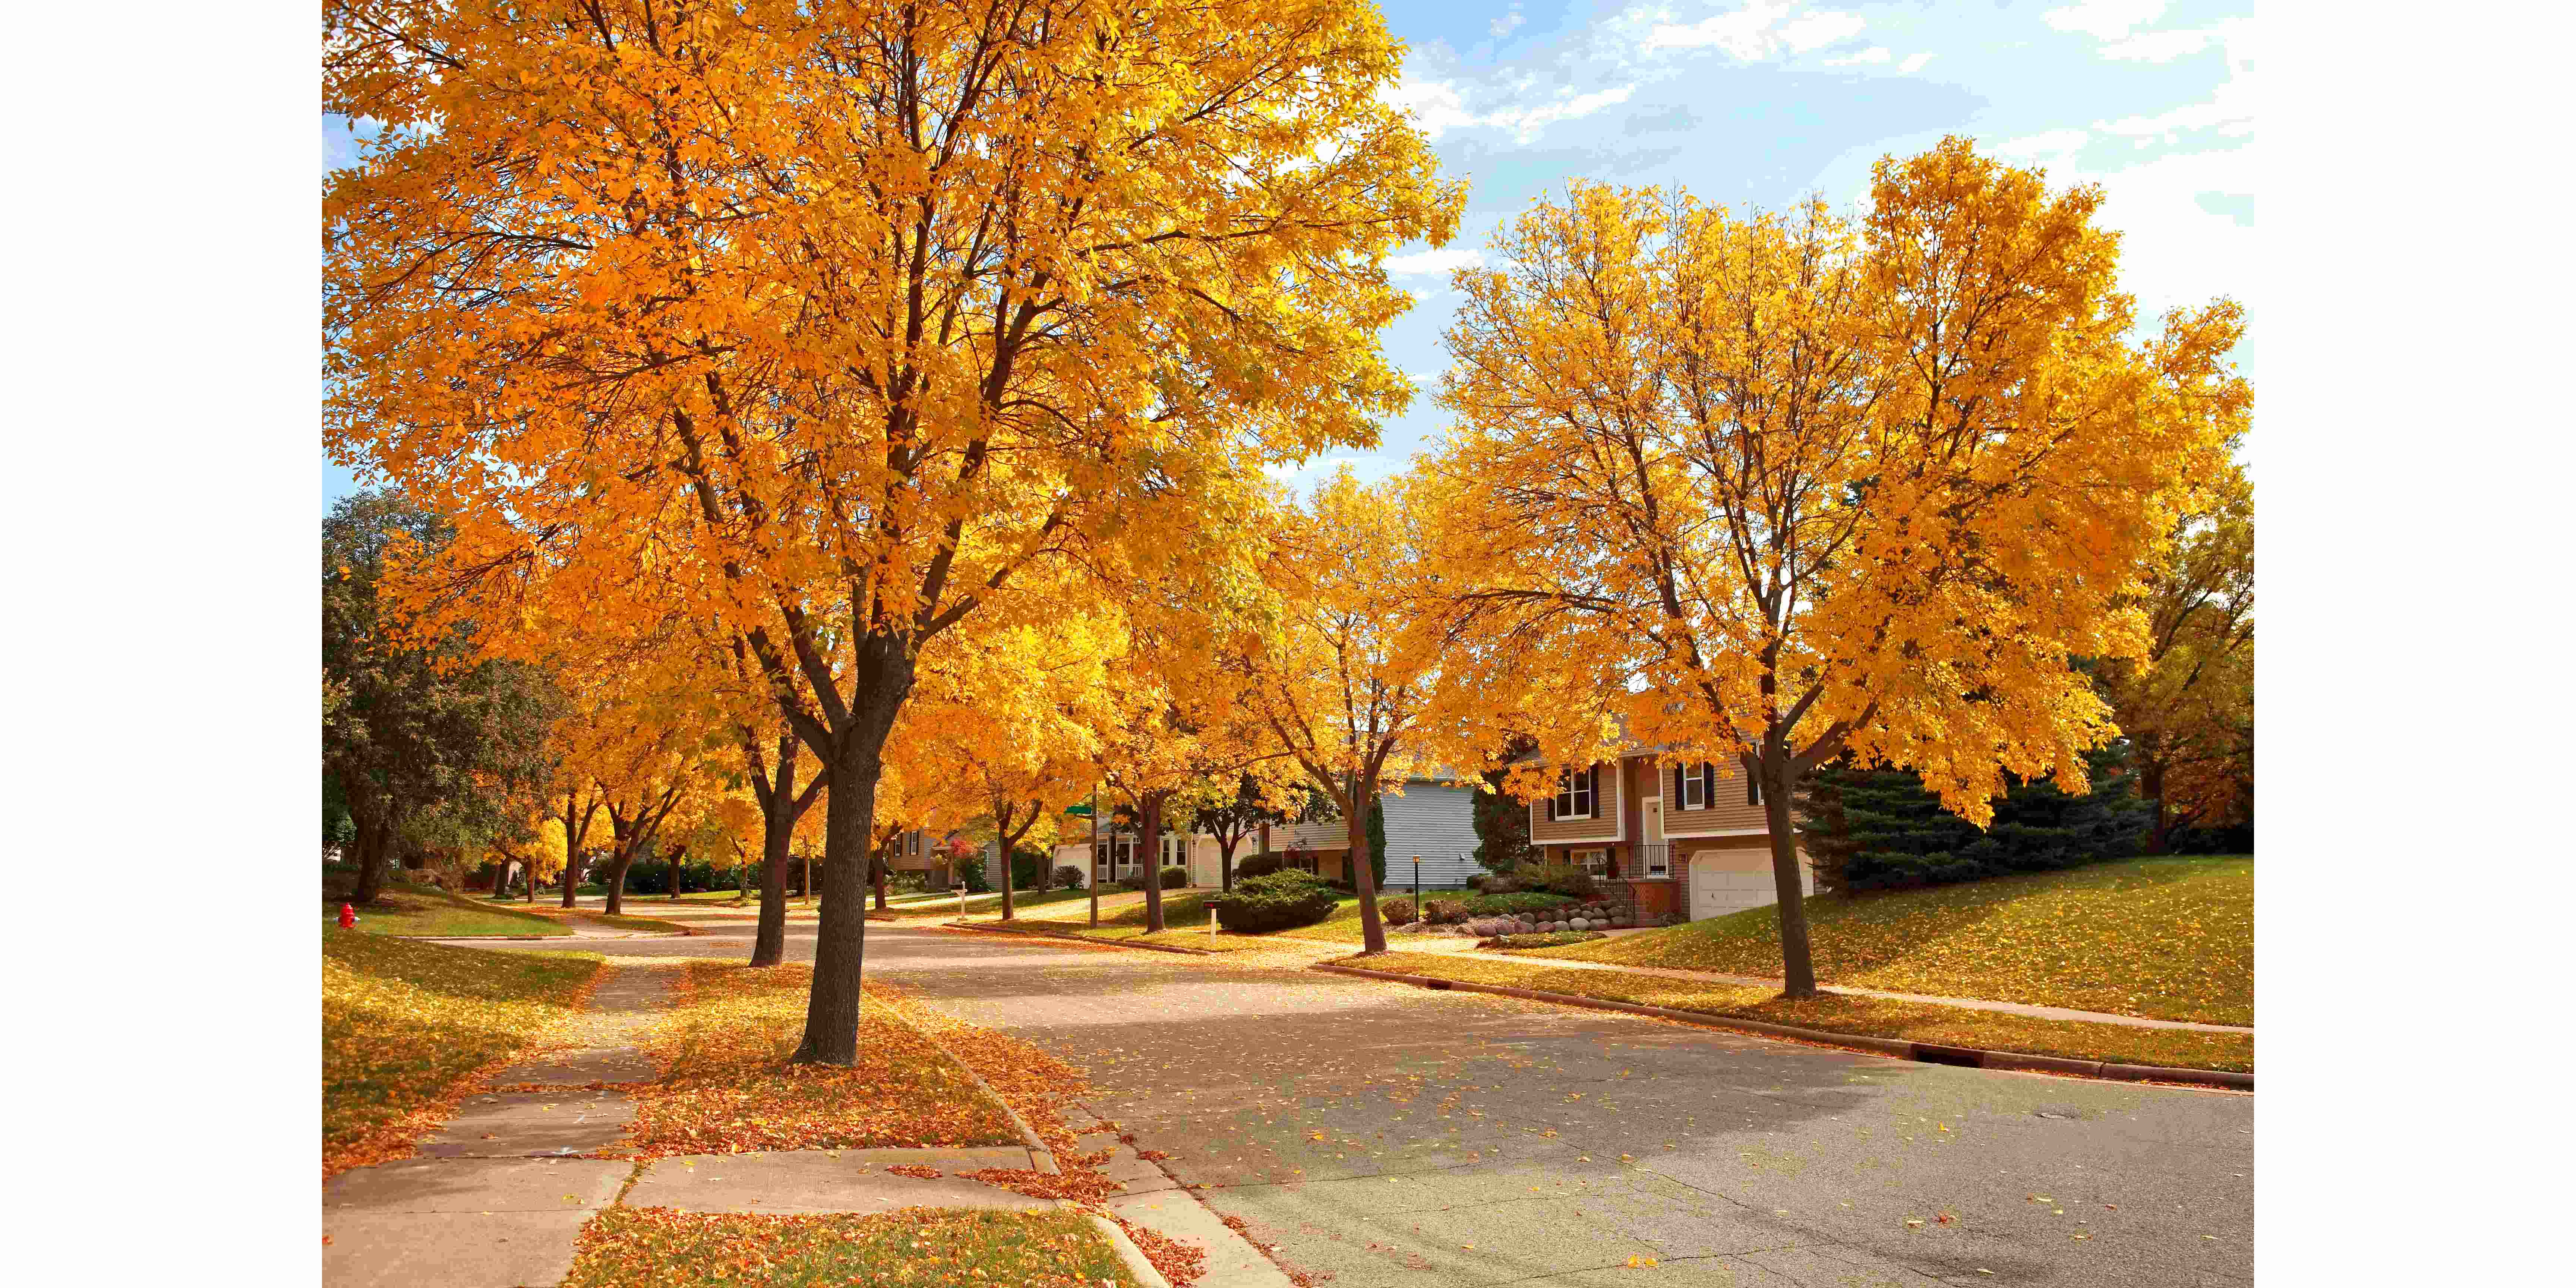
{"x": 655, "y": 1247}
{"x": 2169, "y": 938}
{"x": 725, "y": 1084}
{"x": 409, "y": 1029}
{"x": 1178, "y": 1261}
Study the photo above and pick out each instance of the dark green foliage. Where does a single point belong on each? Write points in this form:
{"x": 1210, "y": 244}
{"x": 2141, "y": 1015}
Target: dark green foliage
{"x": 1259, "y": 865}
{"x": 1174, "y": 878}
{"x": 1025, "y": 867}
{"x": 1068, "y": 877}
{"x": 1495, "y": 905}
{"x": 1880, "y": 830}
{"x": 1377, "y": 843}
{"x": 1502, "y": 822}
{"x": 1275, "y": 901}
{"x": 1547, "y": 878}
{"x": 971, "y": 874}
{"x": 653, "y": 876}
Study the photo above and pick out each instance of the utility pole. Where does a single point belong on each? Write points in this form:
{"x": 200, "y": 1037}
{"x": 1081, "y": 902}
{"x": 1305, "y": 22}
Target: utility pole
{"x": 1094, "y": 860}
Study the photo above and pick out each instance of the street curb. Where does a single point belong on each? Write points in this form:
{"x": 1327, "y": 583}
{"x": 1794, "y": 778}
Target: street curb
{"x": 1138, "y": 1264}
{"x": 1028, "y": 933}
{"x": 1901, "y": 1048}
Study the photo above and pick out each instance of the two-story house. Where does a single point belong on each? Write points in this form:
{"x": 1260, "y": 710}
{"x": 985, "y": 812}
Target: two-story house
{"x": 1680, "y": 840}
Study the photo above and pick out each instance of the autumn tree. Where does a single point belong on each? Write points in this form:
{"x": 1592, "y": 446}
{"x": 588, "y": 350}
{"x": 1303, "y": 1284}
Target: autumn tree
{"x": 2187, "y": 705}
{"x": 873, "y": 308}
{"x": 1232, "y": 812}
{"x": 1772, "y": 488}
{"x": 1339, "y": 678}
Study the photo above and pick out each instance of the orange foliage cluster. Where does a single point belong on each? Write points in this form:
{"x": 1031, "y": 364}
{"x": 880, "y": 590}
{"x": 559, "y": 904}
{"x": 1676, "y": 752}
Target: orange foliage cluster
{"x": 725, "y": 1085}
{"x": 1178, "y": 1261}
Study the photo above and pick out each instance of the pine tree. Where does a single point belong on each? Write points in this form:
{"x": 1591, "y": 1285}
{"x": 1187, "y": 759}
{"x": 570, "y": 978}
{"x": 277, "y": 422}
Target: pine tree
{"x": 1879, "y": 829}
{"x": 1377, "y": 844}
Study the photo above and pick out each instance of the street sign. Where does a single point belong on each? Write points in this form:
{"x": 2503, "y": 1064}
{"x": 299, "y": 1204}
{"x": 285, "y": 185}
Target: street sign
{"x": 1082, "y": 810}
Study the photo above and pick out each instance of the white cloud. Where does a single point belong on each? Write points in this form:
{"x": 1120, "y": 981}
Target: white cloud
{"x": 1436, "y": 105}
{"x": 1914, "y": 62}
{"x": 1762, "y": 29}
{"x": 2104, "y": 19}
{"x": 1525, "y": 123}
{"x": 1507, "y": 24}
{"x": 2159, "y": 46}
{"x": 1444, "y": 261}
{"x": 1816, "y": 30}
{"x": 2052, "y": 145}
{"x": 2229, "y": 110}
{"x": 1873, "y": 54}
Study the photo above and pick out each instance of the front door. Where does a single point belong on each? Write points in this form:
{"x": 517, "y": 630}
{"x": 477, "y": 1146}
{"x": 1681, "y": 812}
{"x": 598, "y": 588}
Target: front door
{"x": 1653, "y": 860}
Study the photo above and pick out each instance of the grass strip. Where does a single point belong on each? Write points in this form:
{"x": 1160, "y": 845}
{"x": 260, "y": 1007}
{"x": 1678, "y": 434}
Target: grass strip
{"x": 1865, "y": 1016}
{"x": 406, "y": 1026}
{"x": 724, "y": 1084}
{"x": 657, "y": 1247}
{"x": 428, "y": 912}
{"x": 2165, "y": 938}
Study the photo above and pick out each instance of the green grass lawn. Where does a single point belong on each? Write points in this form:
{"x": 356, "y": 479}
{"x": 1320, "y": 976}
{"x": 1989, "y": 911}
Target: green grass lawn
{"x": 979, "y": 904}
{"x": 426, "y": 910}
{"x": 1874, "y": 1017}
{"x": 1343, "y": 926}
{"x": 913, "y": 1248}
{"x": 403, "y": 1023}
{"x": 2165, "y": 938}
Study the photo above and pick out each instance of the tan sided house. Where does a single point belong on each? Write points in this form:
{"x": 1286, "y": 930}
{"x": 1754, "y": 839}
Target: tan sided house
{"x": 1672, "y": 839}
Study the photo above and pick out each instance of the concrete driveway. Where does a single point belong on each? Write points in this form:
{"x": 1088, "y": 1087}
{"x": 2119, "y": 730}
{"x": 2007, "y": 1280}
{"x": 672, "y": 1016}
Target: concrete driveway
{"x": 1387, "y": 1135}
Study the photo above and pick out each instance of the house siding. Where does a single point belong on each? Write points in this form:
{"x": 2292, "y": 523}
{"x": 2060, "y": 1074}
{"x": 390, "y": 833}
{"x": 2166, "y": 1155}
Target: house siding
{"x": 1726, "y": 811}
{"x": 1604, "y": 825}
{"x": 1437, "y": 823}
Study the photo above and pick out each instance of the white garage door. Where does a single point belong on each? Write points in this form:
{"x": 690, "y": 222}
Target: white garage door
{"x": 1724, "y": 881}
{"x": 1203, "y": 861}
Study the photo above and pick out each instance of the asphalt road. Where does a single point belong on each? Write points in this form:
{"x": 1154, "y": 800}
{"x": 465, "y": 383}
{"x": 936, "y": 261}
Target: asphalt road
{"x": 1387, "y": 1135}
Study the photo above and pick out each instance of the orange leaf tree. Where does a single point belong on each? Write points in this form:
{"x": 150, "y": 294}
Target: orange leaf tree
{"x": 872, "y": 308}
{"x": 1772, "y": 489}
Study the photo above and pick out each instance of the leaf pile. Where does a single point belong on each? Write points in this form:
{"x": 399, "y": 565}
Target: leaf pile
{"x": 2169, "y": 939}
{"x": 1178, "y": 1261}
{"x": 655, "y": 1247}
{"x": 725, "y": 1085}
{"x": 406, "y": 1026}
{"x": 1874, "y": 1017}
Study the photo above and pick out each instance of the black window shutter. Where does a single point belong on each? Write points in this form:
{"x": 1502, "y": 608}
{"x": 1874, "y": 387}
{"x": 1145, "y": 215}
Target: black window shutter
{"x": 1752, "y": 788}
{"x": 1681, "y": 799}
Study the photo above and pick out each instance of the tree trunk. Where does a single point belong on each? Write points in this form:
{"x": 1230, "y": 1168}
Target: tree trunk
{"x": 1363, "y": 879}
{"x": 849, "y": 817}
{"x": 571, "y": 875}
{"x": 371, "y": 845}
{"x": 1225, "y": 864}
{"x": 2151, "y": 784}
{"x": 1779, "y": 785}
{"x": 879, "y": 873}
{"x": 1151, "y": 843}
{"x": 616, "y": 883}
{"x": 1006, "y": 883}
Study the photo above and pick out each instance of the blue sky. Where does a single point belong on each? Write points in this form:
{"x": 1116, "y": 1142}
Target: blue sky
{"x": 1759, "y": 102}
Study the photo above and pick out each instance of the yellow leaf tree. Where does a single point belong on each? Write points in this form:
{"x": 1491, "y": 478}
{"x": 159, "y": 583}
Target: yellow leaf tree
{"x": 873, "y": 308}
{"x": 1338, "y": 677}
{"x": 1770, "y": 489}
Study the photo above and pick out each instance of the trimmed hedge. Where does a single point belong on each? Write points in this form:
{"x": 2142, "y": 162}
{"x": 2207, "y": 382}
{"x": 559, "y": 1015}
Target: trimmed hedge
{"x": 1259, "y": 865}
{"x": 1175, "y": 878}
{"x": 1275, "y": 901}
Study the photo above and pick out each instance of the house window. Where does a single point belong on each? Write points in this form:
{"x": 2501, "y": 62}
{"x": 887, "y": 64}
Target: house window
{"x": 1574, "y": 792}
{"x": 1176, "y": 850}
{"x": 1752, "y": 790}
{"x": 1659, "y": 863}
{"x": 1122, "y": 849}
{"x": 1694, "y": 788}
{"x": 1596, "y": 862}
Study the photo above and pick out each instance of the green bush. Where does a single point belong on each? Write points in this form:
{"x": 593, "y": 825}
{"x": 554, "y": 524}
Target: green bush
{"x": 1259, "y": 865}
{"x": 1395, "y": 912}
{"x": 1068, "y": 877}
{"x": 1495, "y": 905}
{"x": 1025, "y": 866}
{"x": 1175, "y": 878}
{"x": 1553, "y": 878}
{"x": 971, "y": 874}
{"x": 1275, "y": 901}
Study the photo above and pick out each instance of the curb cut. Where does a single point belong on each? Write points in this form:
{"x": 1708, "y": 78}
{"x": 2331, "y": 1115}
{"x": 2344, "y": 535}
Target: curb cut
{"x": 1901, "y": 1048}
{"x": 991, "y": 929}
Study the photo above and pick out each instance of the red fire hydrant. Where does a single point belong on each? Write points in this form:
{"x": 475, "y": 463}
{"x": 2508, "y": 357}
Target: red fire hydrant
{"x": 348, "y": 917}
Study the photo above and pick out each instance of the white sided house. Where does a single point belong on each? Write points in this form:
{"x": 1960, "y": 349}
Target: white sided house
{"x": 1432, "y": 819}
